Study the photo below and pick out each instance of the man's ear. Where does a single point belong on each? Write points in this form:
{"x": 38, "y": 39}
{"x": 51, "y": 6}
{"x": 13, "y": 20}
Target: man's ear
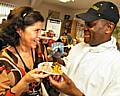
{"x": 110, "y": 28}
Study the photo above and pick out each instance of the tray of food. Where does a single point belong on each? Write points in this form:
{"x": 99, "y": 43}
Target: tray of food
{"x": 53, "y": 68}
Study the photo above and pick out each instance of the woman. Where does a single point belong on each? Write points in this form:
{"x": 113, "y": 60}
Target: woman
{"x": 18, "y": 60}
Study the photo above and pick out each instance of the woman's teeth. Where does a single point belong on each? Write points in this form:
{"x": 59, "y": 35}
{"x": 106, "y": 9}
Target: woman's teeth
{"x": 44, "y": 37}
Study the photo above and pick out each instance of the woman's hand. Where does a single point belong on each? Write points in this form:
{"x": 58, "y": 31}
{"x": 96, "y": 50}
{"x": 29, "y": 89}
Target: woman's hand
{"x": 65, "y": 85}
{"x": 34, "y": 75}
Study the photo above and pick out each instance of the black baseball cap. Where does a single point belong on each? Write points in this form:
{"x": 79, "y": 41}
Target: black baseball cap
{"x": 101, "y": 10}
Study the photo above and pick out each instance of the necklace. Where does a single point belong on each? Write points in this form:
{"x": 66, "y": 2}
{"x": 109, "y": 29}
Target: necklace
{"x": 26, "y": 68}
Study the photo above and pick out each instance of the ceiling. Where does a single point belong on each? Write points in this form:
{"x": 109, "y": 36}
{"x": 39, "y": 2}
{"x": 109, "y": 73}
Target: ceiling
{"x": 77, "y": 4}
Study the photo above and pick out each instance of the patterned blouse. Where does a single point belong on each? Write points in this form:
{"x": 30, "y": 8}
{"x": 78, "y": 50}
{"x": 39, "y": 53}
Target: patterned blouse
{"x": 11, "y": 73}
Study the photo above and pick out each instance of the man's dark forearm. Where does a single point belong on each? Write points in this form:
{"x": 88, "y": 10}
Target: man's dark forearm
{"x": 76, "y": 92}
{"x": 61, "y": 61}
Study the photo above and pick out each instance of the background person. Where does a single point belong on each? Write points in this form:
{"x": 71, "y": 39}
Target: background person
{"x": 94, "y": 65}
{"x": 51, "y": 34}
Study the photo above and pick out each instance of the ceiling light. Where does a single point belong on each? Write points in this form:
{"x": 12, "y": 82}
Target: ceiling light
{"x": 66, "y": 0}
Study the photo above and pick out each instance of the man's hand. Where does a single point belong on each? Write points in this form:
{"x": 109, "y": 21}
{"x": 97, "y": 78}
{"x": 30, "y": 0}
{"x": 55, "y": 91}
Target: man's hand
{"x": 65, "y": 85}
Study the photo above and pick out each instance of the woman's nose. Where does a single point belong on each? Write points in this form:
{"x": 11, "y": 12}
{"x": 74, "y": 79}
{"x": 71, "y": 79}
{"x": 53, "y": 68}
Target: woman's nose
{"x": 39, "y": 34}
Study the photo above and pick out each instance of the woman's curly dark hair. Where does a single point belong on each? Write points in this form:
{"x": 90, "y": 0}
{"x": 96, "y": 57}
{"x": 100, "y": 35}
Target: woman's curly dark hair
{"x": 18, "y": 18}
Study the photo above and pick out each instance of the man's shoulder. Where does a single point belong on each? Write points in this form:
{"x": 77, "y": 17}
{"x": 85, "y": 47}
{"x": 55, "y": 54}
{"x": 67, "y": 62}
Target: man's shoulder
{"x": 79, "y": 47}
{"x": 117, "y": 53}
{"x": 82, "y": 45}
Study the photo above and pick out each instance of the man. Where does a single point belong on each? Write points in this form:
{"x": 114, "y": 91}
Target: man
{"x": 94, "y": 67}
{"x": 51, "y": 35}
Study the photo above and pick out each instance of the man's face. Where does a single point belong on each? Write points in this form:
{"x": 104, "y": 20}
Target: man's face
{"x": 95, "y": 32}
{"x": 51, "y": 34}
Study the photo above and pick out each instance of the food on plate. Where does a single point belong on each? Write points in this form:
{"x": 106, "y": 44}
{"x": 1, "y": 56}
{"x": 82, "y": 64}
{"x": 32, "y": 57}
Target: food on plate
{"x": 46, "y": 67}
{"x": 55, "y": 68}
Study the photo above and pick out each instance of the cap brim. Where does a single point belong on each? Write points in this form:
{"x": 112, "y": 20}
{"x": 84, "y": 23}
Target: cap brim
{"x": 87, "y": 17}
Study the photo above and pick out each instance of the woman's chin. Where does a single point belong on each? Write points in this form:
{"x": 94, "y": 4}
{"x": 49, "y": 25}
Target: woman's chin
{"x": 34, "y": 46}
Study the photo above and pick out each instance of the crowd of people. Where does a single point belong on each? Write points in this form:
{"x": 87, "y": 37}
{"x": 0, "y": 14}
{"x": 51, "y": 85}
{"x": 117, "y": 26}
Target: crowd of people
{"x": 92, "y": 66}
{"x": 62, "y": 45}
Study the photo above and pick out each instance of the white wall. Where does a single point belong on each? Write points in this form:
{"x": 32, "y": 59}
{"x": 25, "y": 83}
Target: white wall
{"x": 43, "y": 7}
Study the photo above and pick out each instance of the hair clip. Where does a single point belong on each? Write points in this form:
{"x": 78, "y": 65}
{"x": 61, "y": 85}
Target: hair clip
{"x": 24, "y": 15}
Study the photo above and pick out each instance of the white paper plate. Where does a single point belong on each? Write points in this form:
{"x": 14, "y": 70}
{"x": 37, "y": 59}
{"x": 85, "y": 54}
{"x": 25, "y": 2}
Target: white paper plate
{"x": 48, "y": 66}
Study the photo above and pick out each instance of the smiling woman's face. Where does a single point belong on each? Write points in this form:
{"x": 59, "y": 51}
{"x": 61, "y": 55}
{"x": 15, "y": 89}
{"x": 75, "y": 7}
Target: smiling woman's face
{"x": 30, "y": 36}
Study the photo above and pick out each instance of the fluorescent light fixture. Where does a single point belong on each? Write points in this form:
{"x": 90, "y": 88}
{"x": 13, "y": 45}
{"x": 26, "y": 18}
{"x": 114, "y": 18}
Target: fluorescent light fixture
{"x": 66, "y": 0}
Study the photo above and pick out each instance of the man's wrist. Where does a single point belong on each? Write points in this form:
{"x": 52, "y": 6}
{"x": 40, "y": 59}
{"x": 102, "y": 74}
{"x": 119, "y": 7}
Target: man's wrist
{"x": 76, "y": 92}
